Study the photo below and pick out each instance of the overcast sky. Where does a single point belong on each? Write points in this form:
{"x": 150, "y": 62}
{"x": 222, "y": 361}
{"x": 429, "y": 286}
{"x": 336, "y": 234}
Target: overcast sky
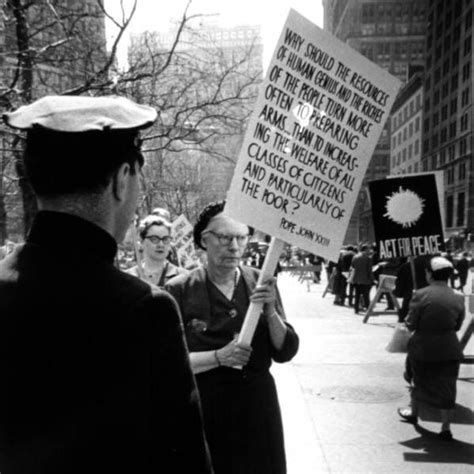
{"x": 270, "y": 14}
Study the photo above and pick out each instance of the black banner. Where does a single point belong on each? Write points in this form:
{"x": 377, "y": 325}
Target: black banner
{"x": 406, "y": 215}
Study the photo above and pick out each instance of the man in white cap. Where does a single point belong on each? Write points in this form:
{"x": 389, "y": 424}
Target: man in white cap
{"x": 434, "y": 352}
{"x": 94, "y": 369}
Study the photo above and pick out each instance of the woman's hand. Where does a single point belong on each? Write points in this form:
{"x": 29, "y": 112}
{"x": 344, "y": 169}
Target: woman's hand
{"x": 266, "y": 295}
{"x": 234, "y": 354}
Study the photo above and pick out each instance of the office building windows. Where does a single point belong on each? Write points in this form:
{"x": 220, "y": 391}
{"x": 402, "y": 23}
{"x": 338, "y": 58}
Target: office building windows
{"x": 460, "y": 210}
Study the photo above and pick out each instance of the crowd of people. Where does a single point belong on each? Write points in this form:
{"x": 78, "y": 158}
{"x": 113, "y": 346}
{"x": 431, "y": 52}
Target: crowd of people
{"x": 139, "y": 368}
{"x": 358, "y": 270}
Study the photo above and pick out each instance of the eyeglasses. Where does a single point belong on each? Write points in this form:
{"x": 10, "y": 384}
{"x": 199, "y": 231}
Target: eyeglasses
{"x": 226, "y": 239}
{"x": 154, "y": 239}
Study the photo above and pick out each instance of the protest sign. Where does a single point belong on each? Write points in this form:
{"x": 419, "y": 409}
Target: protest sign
{"x": 317, "y": 119}
{"x": 183, "y": 240}
{"x": 406, "y": 215}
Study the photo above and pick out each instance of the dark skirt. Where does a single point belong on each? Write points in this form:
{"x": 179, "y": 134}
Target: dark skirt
{"x": 242, "y": 421}
{"x": 434, "y": 383}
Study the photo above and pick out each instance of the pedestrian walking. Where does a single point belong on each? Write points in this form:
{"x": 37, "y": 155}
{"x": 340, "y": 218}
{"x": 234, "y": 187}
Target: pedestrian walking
{"x": 343, "y": 267}
{"x": 94, "y": 368}
{"x": 362, "y": 277}
{"x": 404, "y": 285}
{"x": 241, "y": 410}
{"x": 462, "y": 267}
{"x": 434, "y": 351}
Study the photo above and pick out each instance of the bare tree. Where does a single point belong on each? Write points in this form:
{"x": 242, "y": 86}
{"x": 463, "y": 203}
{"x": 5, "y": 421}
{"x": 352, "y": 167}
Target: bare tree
{"x": 204, "y": 93}
{"x": 49, "y": 47}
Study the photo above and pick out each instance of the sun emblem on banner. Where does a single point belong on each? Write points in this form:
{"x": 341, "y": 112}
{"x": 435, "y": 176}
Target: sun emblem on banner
{"x": 404, "y": 207}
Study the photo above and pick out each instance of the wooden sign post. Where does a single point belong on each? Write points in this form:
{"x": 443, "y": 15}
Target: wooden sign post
{"x": 254, "y": 310}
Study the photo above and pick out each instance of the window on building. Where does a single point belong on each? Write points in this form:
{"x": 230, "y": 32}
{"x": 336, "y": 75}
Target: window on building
{"x": 434, "y": 162}
{"x": 465, "y": 97}
{"x": 462, "y": 146}
{"x": 416, "y": 168}
{"x": 417, "y": 124}
{"x": 399, "y": 138}
{"x": 468, "y": 21}
{"x": 418, "y": 101}
{"x": 460, "y": 210}
{"x": 456, "y": 34}
{"x": 442, "y": 157}
{"x": 451, "y": 153}
{"x": 444, "y": 112}
{"x": 404, "y": 133}
{"x": 417, "y": 147}
{"x": 452, "y": 129}
{"x": 426, "y": 145}
{"x": 427, "y": 105}
{"x": 450, "y": 175}
{"x": 443, "y": 135}
{"x": 445, "y": 89}
{"x": 454, "y": 82}
{"x": 462, "y": 171}
{"x": 466, "y": 71}
{"x": 464, "y": 122}
{"x": 467, "y": 45}
{"x": 394, "y": 142}
{"x": 434, "y": 140}
{"x": 449, "y": 210}
{"x": 410, "y": 151}
{"x": 454, "y": 105}
{"x": 426, "y": 125}
{"x": 455, "y": 58}
{"x": 429, "y": 61}
{"x": 435, "y": 119}
{"x": 436, "y": 97}
{"x": 404, "y": 156}
{"x": 410, "y": 129}
{"x": 424, "y": 165}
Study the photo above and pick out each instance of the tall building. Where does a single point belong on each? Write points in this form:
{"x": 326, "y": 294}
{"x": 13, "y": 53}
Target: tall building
{"x": 207, "y": 89}
{"x": 406, "y": 128}
{"x": 391, "y": 34}
{"x": 447, "y": 128}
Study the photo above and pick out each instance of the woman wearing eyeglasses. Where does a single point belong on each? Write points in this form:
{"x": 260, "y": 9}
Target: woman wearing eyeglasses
{"x": 238, "y": 395}
{"x": 155, "y": 236}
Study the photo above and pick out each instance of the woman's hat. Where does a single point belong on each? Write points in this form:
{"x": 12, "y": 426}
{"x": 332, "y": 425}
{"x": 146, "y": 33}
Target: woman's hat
{"x": 438, "y": 263}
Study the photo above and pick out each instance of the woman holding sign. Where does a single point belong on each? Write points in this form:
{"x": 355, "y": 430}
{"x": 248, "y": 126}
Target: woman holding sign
{"x": 238, "y": 395}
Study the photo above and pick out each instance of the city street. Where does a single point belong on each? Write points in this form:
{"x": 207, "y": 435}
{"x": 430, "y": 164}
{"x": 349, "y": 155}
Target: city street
{"x": 340, "y": 394}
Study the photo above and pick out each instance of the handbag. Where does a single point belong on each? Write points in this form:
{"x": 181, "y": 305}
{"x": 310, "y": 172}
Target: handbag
{"x": 399, "y": 341}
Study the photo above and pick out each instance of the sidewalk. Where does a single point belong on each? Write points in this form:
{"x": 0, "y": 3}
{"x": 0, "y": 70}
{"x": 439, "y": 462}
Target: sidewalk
{"x": 339, "y": 396}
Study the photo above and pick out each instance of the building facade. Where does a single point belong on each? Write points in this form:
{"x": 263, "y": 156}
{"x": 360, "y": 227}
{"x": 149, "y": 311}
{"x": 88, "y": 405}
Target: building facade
{"x": 392, "y": 34}
{"x": 406, "y": 120}
{"x": 447, "y": 127}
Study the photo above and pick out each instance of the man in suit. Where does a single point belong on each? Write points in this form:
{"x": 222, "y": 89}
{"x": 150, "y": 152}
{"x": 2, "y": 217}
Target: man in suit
{"x": 362, "y": 277}
{"x": 94, "y": 368}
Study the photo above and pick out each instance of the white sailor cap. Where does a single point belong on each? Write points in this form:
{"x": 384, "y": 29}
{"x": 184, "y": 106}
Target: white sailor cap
{"x": 438, "y": 263}
{"x": 81, "y": 114}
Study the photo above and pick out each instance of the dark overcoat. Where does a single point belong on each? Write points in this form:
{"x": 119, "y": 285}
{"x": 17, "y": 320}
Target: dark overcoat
{"x": 94, "y": 370}
{"x": 241, "y": 410}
